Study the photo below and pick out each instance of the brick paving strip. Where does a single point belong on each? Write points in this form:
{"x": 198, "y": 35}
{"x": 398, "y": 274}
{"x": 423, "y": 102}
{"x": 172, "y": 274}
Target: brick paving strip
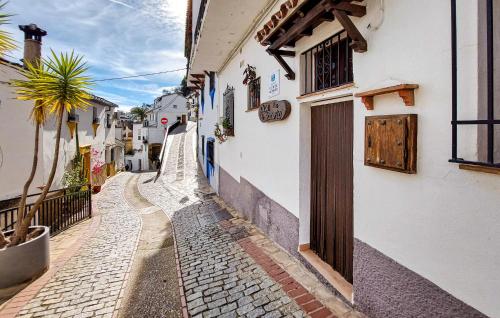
{"x": 16, "y": 303}
{"x": 90, "y": 283}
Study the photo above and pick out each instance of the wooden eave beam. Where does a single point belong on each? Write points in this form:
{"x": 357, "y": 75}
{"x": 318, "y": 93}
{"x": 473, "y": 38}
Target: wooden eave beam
{"x": 351, "y": 9}
{"x": 302, "y": 24}
{"x": 278, "y": 55}
{"x": 198, "y": 76}
{"x": 358, "y": 41}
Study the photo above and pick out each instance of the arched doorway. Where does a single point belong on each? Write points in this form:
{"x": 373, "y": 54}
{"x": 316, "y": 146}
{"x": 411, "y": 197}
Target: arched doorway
{"x": 154, "y": 155}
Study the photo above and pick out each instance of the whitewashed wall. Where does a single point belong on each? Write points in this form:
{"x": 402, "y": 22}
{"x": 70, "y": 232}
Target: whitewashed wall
{"x": 17, "y": 135}
{"x": 442, "y": 223}
{"x": 206, "y": 127}
{"x": 138, "y": 144}
{"x": 67, "y": 146}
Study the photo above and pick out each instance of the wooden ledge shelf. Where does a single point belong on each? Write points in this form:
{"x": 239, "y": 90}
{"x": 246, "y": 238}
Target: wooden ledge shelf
{"x": 484, "y": 169}
{"x": 405, "y": 91}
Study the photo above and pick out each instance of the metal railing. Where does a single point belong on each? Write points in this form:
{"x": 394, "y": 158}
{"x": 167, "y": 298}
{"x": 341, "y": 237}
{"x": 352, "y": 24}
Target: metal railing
{"x": 328, "y": 64}
{"x": 59, "y": 211}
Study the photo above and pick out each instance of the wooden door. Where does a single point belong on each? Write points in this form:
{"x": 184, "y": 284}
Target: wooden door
{"x": 332, "y": 185}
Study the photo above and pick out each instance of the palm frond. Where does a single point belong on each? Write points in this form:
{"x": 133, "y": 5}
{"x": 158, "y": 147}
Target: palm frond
{"x": 57, "y": 82}
{"x": 7, "y": 42}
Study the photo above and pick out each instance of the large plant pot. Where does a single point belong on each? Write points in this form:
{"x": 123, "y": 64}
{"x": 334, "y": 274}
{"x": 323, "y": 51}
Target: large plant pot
{"x": 25, "y": 262}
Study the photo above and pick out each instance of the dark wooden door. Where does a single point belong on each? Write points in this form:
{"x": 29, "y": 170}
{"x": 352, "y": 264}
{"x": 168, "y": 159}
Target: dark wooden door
{"x": 332, "y": 185}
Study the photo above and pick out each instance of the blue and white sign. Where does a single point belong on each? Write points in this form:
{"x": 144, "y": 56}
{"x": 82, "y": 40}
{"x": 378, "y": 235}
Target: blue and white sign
{"x": 274, "y": 84}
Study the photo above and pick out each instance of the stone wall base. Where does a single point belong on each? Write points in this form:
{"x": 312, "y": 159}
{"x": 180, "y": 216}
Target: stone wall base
{"x": 274, "y": 220}
{"x": 385, "y": 288}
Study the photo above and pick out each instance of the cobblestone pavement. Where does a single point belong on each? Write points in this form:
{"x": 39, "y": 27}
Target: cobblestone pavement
{"x": 90, "y": 284}
{"x": 220, "y": 278}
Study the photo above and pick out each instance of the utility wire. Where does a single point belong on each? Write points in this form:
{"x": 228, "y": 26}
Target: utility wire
{"x": 141, "y": 75}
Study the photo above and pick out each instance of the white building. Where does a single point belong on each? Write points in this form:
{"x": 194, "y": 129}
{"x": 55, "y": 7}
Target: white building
{"x": 416, "y": 233}
{"x": 95, "y": 127}
{"x": 149, "y": 135}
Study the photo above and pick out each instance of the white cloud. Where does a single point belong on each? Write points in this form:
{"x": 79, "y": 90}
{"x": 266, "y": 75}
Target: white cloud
{"x": 117, "y": 37}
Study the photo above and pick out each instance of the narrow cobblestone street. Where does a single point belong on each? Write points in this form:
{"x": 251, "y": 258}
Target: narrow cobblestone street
{"x": 172, "y": 248}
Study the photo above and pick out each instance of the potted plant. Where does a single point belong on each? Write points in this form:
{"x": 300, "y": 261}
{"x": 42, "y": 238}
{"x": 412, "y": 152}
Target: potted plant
{"x": 56, "y": 86}
{"x": 249, "y": 74}
{"x": 98, "y": 170}
{"x": 228, "y": 128}
{"x": 219, "y": 135}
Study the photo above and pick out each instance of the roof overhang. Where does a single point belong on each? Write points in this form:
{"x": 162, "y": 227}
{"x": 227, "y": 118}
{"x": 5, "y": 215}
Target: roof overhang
{"x": 225, "y": 24}
{"x": 298, "y": 18}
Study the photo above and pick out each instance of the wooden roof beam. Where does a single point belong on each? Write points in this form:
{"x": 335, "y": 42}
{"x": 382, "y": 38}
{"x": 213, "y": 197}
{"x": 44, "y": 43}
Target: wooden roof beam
{"x": 358, "y": 41}
{"x": 351, "y": 9}
{"x": 198, "y": 76}
{"x": 302, "y": 24}
{"x": 278, "y": 55}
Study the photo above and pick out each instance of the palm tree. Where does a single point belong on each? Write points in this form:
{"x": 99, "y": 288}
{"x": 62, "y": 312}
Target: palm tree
{"x": 139, "y": 112}
{"x": 26, "y": 91}
{"x": 60, "y": 85}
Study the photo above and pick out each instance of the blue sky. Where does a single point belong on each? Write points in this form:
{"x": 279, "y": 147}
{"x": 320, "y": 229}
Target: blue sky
{"x": 117, "y": 37}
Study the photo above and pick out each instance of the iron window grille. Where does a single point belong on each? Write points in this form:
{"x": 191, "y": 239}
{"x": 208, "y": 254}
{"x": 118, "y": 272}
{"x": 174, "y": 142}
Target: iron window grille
{"x": 108, "y": 121}
{"x": 73, "y": 117}
{"x": 228, "y": 108}
{"x": 95, "y": 118}
{"x": 488, "y": 148}
{"x": 203, "y": 146}
{"x": 328, "y": 64}
{"x": 254, "y": 94}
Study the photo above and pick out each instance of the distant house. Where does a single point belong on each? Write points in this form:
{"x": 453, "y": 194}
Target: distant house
{"x": 148, "y": 135}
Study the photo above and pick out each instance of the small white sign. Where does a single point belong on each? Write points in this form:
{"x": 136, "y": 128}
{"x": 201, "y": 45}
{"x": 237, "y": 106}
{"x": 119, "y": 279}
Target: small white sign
{"x": 274, "y": 84}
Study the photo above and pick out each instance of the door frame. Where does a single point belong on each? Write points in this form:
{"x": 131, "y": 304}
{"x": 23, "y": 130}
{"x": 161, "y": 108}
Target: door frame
{"x": 305, "y": 131}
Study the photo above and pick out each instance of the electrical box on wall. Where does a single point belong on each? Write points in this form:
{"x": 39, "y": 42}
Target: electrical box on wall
{"x": 391, "y": 142}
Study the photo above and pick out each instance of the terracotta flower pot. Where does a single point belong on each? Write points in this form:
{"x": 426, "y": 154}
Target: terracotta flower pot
{"x": 96, "y": 188}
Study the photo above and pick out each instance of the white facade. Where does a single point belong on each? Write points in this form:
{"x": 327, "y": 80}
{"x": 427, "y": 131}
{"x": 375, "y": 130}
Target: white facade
{"x": 442, "y": 223}
{"x": 139, "y": 160}
{"x": 103, "y": 141}
{"x": 17, "y": 137}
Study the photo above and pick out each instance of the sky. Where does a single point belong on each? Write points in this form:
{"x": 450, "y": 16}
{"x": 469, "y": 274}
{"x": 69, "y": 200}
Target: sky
{"x": 116, "y": 37}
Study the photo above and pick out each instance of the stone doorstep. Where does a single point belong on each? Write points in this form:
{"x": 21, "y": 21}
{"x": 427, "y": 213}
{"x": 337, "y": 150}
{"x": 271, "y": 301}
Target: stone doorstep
{"x": 297, "y": 282}
{"x": 12, "y": 307}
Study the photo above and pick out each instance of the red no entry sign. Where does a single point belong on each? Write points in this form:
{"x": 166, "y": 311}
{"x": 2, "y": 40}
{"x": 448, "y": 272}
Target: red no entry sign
{"x": 164, "y": 121}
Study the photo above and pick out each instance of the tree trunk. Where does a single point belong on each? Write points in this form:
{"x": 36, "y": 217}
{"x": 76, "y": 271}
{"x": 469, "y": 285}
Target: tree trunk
{"x": 21, "y": 234}
{"x": 22, "y": 203}
{"x": 3, "y": 240}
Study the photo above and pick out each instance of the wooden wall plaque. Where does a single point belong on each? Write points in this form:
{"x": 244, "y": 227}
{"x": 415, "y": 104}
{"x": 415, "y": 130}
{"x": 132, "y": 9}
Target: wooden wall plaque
{"x": 274, "y": 110}
{"x": 391, "y": 142}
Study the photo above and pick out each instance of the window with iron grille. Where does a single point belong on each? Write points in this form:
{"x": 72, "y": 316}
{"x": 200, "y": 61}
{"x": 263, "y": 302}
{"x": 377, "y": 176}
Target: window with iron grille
{"x": 327, "y": 65}
{"x": 476, "y": 119}
{"x": 253, "y": 94}
{"x": 203, "y": 146}
{"x": 228, "y": 108}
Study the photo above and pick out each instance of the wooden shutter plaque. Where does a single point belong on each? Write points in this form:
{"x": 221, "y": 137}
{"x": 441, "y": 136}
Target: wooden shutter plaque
{"x": 391, "y": 142}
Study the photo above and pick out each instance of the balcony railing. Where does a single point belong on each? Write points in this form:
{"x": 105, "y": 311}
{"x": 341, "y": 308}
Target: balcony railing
{"x": 328, "y": 64}
{"x": 148, "y": 123}
{"x": 73, "y": 118}
{"x": 59, "y": 211}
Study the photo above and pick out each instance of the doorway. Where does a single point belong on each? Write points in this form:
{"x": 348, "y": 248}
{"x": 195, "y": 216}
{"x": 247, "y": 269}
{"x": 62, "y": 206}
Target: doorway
{"x": 331, "y": 221}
